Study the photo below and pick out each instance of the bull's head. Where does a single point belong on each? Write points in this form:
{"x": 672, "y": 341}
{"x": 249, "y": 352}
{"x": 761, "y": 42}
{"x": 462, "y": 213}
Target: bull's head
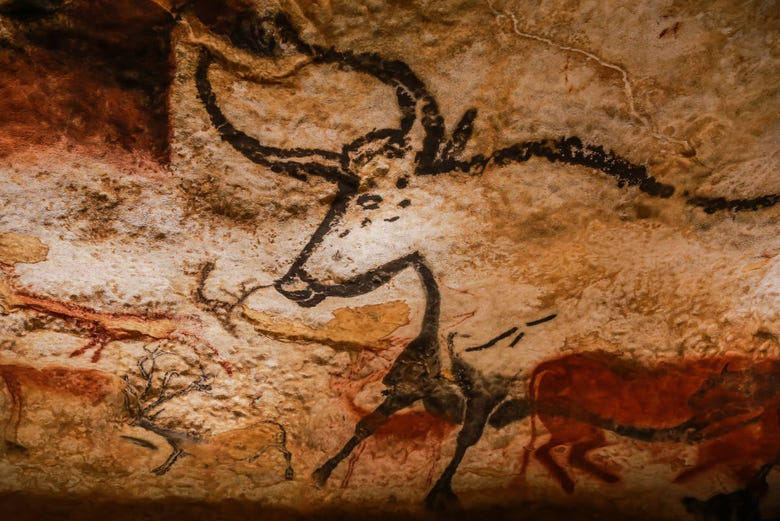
{"x": 373, "y": 228}
{"x": 369, "y": 233}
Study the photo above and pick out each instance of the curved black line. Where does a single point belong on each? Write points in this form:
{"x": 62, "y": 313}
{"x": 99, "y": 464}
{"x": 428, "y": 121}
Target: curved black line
{"x": 715, "y": 204}
{"x": 272, "y": 157}
{"x": 571, "y": 150}
{"x": 140, "y": 442}
{"x": 410, "y": 89}
{"x": 518, "y": 409}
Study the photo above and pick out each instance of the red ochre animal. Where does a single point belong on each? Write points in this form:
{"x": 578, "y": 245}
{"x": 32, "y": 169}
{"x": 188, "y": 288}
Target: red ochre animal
{"x": 728, "y": 405}
{"x": 88, "y": 385}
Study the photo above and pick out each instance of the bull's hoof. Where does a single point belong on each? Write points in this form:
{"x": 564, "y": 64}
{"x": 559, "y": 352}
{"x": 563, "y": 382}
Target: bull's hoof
{"x": 320, "y": 476}
{"x": 442, "y": 499}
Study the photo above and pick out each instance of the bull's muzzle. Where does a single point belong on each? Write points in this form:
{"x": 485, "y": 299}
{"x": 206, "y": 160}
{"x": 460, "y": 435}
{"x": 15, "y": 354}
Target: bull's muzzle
{"x": 295, "y": 287}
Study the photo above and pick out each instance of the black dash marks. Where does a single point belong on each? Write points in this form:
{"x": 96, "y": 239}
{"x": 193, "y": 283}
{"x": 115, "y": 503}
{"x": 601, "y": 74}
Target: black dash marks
{"x": 541, "y": 320}
{"x": 492, "y": 342}
{"x": 517, "y": 339}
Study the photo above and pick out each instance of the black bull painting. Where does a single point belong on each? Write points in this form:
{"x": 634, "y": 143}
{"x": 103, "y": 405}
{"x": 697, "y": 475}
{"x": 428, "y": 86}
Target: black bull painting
{"x": 368, "y": 207}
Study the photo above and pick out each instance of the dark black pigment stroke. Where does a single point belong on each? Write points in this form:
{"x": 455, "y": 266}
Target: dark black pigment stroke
{"x": 415, "y": 376}
{"x": 494, "y": 341}
{"x": 541, "y": 320}
{"x": 518, "y": 338}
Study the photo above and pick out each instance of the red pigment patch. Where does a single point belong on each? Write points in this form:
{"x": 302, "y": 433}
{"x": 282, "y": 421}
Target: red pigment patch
{"x": 731, "y": 402}
{"x": 88, "y": 384}
{"x": 94, "y": 74}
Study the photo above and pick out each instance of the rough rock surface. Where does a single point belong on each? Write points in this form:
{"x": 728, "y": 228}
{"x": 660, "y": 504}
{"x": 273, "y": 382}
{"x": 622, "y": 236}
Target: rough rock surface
{"x": 546, "y": 232}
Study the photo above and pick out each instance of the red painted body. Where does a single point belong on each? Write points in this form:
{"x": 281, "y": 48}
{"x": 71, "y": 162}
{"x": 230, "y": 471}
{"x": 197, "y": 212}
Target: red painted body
{"x": 731, "y": 404}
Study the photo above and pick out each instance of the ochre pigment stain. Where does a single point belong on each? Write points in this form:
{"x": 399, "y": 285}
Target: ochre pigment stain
{"x": 94, "y": 74}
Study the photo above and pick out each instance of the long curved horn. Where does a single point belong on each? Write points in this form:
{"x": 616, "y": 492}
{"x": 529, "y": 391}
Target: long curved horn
{"x": 573, "y": 151}
{"x": 410, "y": 89}
{"x": 296, "y": 162}
{"x": 410, "y": 93}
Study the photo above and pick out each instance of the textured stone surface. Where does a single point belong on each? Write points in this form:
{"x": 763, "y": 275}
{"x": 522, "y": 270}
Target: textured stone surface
{"x": 207, "y": 278}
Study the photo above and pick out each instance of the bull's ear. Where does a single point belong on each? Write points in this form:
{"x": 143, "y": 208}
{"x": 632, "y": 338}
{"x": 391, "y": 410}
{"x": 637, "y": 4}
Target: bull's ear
{"x": 462, "y": 133}
{"x": 445, "y": 156}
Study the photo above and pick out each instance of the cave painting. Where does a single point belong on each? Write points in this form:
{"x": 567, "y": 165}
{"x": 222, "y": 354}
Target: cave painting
{"x": 157, "y": 382}
{"x": 728, "y": 406}
{"x": 373, "y": 235}
{"x": 89, "y": 386}
{"x": 374, "y": 208}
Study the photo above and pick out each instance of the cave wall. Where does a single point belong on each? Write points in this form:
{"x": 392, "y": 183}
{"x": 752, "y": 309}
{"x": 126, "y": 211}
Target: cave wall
{"x": 398, "y": 256}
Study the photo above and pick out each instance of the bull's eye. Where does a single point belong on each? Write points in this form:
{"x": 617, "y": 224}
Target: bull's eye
{"x": 369, "y": 202}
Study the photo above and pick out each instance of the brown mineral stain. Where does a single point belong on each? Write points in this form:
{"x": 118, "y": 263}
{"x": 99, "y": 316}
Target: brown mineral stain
{"x": 350, "y": 329}
{"x": 15, "y": 247}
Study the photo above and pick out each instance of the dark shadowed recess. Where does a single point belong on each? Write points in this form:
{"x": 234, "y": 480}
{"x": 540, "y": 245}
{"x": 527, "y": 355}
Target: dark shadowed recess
{"x": 34, "y": 508}
{"x": 88, "y": 72}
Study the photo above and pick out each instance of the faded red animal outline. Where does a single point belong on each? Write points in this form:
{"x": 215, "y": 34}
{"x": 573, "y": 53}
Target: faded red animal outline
{"x": 407, "y": 427}
{"x": 90, "y": 385}
{"x": 579, "y": 396}
{"x": 109, "y": 327}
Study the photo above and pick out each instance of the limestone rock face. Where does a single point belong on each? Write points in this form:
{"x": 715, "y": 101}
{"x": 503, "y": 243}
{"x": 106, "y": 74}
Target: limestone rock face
{"x": 394, "y": 255}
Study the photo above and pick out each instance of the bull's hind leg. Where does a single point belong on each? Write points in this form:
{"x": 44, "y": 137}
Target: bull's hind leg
{"x": 578, "y": 457}
{"x": 544, "y": 457}
{"x": 365, "y": 428}
{"x": 478, "y": 409}
{"x": 565, "y": 432}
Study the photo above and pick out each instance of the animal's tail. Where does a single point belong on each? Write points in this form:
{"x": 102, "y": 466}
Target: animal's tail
{"x": 571, "y": 150}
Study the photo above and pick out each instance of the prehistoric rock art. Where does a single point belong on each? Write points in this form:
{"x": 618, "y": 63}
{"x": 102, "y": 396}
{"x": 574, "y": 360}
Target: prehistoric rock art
{"x": 88, "y": 385}
{"x": 148, "y": 392}
{"x": 416, "y": 236}
{"x": 375, "y": 176}
{"x": 727, "y": 405}
{"x": 104, "y": 328}
{"x": 355, "y": 329}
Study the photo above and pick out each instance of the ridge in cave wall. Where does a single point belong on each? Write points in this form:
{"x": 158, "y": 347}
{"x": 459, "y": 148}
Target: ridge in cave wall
{"x": 344, "y": 259}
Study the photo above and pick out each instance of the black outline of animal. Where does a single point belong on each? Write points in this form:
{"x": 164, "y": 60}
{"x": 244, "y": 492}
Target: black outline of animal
{"x": 416, "y": 373}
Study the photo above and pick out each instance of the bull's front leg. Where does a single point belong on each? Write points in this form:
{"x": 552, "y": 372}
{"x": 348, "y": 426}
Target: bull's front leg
{"x": 365, "y": 427}
{"x": 479, "y": 405}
